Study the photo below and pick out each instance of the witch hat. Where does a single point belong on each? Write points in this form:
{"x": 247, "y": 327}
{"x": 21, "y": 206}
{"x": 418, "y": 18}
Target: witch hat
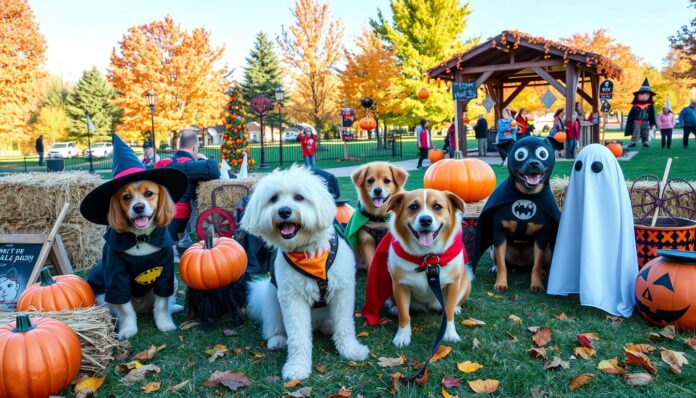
{"x": 126, "y": 168}
{"x": 645, "y": 88}
{"x": 668, "y": 105}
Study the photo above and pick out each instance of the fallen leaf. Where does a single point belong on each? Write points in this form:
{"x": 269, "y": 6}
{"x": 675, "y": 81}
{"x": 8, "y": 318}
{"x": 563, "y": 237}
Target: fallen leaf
{"x": 384, "y": 321}
{"x": 542, "y": 336}
{"x": 555, "y": 364}
{"x": 472, "y": 322}
{"x": 238, "y": 350}
{"x": 256, "y": 355}
{"x": 385, "y": 362}
{"x": 363, "y": 334}
{"x": 591, "y": 336}
{"x": 354, "y": 364}
{"x": 475, "y": 344}
{"x": 230, "y": 332}
{"x": 537, "y": 352}
{"x": 638, "y": 358}
{"x": 469, "y": 367}
{"x": 423, "y": 380}
{"x": 92, "y": 383}
{"x": 450, "y": 382}
{"x": 487, "y": 386}
{"x": 538, "y": 392}
{"x": 533, "y": 329}
{"x": 124, "y": 367}
{"x": 229, "y": 379}
{"x": 122, "y": 354}
{"x": 415, "y": 363}
{"x": 417, "y": 330}
{"x": 303, "y": 392}
{"x": 320, "y": 369}
{"x": 561, "y": 317}
{"x": 343, "y": 393}
{"x": 292, "y": 384}
{"x": 668, "y": 332}
{"x": 445, "y": 394}
{"x": 613, "y": 319}
{"x": 151, "y": 387}
{"x": 489, "y": 294}
{"x": 584, "y": 352}
{"x": 513, "y": 338}
{"x": 611, "y": 367}
{"x": 637, "y": 379}
{"x": 675, "y": 360}
{"x": 580, "y": 380}
{"x": 653, "y": 336}
{"x": 644, "y": 348}
{"x": 188, "y": 325}
{"x": 584, "y": 341}
{"x": 271, "y": 379}
{"x": 138, "y": 374}
{"x": 515, "y": 318}
{"x": 216, "y": 352}
{"x": 441, "y": 352}
{"x": 148, "y": 354}
{"x": 177, "y": 387}
{"x": 691, "y": 343}
{"x": 395, "y": 382}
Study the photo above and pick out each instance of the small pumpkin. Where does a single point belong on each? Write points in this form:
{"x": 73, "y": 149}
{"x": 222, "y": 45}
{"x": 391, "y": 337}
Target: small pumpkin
{"x": 344, "y": 212}
{"x": 368, "y": 123}
{"x": 615, "y": 148}
{"x": 435, "y": 154}
{"x": 560, "y": 137}
{"x": 470, "y": 179}
{"x": 212, "y": 263}
{"x": 38, "y": 357}
{"x": 58, "y": 293}
{"x": 423, "y": 94}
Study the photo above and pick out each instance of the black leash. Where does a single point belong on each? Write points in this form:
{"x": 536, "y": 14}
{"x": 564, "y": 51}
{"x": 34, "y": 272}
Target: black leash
{"x": 432, "y": 272}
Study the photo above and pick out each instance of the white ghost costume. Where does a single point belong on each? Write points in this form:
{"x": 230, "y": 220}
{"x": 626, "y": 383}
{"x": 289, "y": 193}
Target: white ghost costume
{"x": 595, "y": 251}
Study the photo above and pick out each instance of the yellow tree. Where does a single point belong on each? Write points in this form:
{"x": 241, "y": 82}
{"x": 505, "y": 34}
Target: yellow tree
{"x": 372, "y": 70}
{"x": 21, "y": 57}
{"x": 312, "y": 50}
{"x": 678, "y": 87}
{"x": 179, "y": 66}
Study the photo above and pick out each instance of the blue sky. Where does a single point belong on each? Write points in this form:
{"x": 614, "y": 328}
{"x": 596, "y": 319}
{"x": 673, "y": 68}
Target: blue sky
{"x": 82, "y": 33}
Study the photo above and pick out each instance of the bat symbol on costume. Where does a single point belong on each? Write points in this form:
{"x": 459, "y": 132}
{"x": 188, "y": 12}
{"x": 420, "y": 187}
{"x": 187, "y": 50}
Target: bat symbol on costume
{"x": 524, "y": 209}
{"x": 150, "y": 276}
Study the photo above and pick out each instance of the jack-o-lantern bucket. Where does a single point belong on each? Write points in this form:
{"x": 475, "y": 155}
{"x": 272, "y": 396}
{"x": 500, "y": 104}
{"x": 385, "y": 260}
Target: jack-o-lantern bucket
{"x": 668, "y": 233}
{"x": 666, "y": 290}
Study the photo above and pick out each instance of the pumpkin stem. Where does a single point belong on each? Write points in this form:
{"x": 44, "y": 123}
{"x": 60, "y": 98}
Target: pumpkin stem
{"x": 45, "y": 277}
{"x": 209, "y": 235}
{"x": 23, "y": 324}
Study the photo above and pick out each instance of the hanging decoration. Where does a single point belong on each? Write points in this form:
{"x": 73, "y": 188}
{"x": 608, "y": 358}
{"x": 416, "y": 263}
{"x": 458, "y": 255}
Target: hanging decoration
{"x": 235, "y": 140}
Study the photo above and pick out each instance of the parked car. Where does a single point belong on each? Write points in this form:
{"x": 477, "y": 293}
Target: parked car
{"x": 62, "y": 150}
{"x": 294, "y": 130}
{"x": 99, "y": 150}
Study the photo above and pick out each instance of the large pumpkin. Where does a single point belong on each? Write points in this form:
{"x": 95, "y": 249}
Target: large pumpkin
{"x": 38, "y": 357}
{"x": 59, "y": 293}
{"x": 344, "y": 212}
{"x": 560, "y": 136}
{"x": 368, "y": 123}
{"x": 470, "y": 179}
{"x": 666, "y": 290}
{"x": 615, "y": 148}
{"x": 423, "y": 94}
{"x": 435, "y": 154}
{"x": 212, "y": 263}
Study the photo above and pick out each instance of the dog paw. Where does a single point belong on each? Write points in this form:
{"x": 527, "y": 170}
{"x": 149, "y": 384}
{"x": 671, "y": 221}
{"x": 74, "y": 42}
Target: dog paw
{"x": 356, "y": 352}
{"x": 403, "y": 337}
{"x": 500, "y": 288}
{"x": 493, "y": 270}
{"x": 165, "y": 325}
{"x": 451, "y": 333}
{"x": 537, "y": 288}
{"x": 296, "y": 371}
{"x": 126, "y": 332}
{"x": 277, "y": 342}
{"x": 176, "y": 308}
{"x": 457, "y": 310}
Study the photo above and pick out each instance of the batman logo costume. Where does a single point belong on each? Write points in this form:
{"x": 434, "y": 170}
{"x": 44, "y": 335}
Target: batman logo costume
{"x": 524, "y": 209}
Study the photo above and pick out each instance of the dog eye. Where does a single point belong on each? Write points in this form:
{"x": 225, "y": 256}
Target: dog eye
{"x": 274, "y": 198}
{"x": 127, "y": 197}
{"x": 597, "y": 167}
{"x": 521, "y": 154}
{"x": 370, "y": 180}
{"x": 299, "y": 198}
{"x": 387, "y": 181}
{"x": 148, "y": 194}
{"x": 437, "y": 206}
{"x": 413, "y": 206}
{"x": 542, "y": 153}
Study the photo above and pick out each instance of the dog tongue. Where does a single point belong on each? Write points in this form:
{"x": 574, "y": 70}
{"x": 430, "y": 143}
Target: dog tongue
{"x": 288, "y": 229}
{"x": 425, "y": 238}
{"x": 378, "y": 202}
{"x": 141, "y": 222}
{"x": 532, "y": 179}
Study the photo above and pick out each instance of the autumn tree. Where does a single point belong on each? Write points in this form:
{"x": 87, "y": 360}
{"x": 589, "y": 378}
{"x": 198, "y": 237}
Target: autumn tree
{"x": 678, "y": 86}
{"x": 95, "y": 95}
{"x": 50, "y": 118}
{"x": 684, "y": 42}
{"x": 22, "y": 51}
{"x": 372, "y": 70}
{"x": 312, "y": 50}
{"x": 262, "y": 74}
{"x": 424, "y": 33}
{"x": 179, "y": 66}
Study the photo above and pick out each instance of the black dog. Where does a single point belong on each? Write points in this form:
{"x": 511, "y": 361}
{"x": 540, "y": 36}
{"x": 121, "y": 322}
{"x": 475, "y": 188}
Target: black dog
{"x": 521, "y": 217}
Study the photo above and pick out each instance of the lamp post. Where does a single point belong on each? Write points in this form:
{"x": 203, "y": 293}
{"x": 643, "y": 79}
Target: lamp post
{"x": 151, "y": 99}
{"x": 89, "y": 142}
{"x": 280, "y": 97}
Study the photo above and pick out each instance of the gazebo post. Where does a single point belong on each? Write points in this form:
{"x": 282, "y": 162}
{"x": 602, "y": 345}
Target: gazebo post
{"x": 594, "y": 84}
{"x": 459, "y": 107}
{"x": 571, "y": 88}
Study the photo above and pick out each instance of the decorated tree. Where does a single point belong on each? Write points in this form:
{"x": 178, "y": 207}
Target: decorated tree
{"x": 235, "y": 140}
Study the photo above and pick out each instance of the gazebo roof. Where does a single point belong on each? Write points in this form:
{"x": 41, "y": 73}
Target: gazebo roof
{"x": 512, "y": 53}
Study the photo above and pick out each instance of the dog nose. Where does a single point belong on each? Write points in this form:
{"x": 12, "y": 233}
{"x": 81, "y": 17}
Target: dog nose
{"x": 138, "y": 208}
{"x": 284, "y": 212}
{"x": 425, "y": 221}
{"x": 377, "y": 191}
{"x": 534, "y": 163}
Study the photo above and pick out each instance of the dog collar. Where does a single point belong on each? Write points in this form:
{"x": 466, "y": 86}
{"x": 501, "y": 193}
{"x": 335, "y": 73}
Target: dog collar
{"x": 371, "y": 217}
{"x": 432, "y": 259}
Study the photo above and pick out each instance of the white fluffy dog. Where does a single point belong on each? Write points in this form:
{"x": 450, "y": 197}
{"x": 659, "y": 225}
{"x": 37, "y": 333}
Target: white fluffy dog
{"x": 293, "y": 211}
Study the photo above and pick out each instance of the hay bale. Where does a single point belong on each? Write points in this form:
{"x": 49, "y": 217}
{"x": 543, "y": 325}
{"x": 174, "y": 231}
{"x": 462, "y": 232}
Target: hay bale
{"x": 474, "y": 209}
{"x": 227, "y": 197}
{"x": 31, "y": 202}
{"x": 94, "y": 327}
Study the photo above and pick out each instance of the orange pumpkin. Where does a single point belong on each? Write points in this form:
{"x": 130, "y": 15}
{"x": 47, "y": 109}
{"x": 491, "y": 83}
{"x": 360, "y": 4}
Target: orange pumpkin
{"x": 560, "y": 136}
{"x": 212, "y": 263}
{"x": 59, "y": 293}
{"x": 368, "y": 123}
{"x": 665, "y": 291}
{"x": 513, "y": 124}
{"x": 423, "y": 94}
{"x": 435, "y": 154}
{"x": 615, "y": 148}
{"x": 344, "y": 212}
{"x": 38, "y": 357}
{"x": 470, "y": 179}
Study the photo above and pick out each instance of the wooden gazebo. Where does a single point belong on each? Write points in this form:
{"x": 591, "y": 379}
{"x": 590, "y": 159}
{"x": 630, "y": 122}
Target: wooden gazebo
{"x": 511, "y": 61}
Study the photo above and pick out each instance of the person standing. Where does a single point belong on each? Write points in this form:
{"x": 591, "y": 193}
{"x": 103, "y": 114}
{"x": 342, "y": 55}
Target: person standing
{"x": 507, "y": 133}
{"x": 308, "y": 142}
{"x": 641, "y": 117}
{"x": 687, "y": 119}
{"x": 522, "y": 123}
{"x": 450, "y": 140}
{"x": 40, "y": 149}
{"x": 665, "y": 122}
{"x": 572, "y": 135}
{"x": 150, "y": 157}
{"x": 424, "y": 141}
{"x": 481, "y": 132}
{"x": 558, "y": 125}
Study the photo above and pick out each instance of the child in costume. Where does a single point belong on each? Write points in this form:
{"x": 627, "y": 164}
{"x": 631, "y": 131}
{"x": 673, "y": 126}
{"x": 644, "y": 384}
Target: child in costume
{"x": 641, "y": 117}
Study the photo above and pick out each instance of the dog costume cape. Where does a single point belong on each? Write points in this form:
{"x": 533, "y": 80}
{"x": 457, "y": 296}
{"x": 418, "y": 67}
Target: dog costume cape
{"x": 595, "y": 253}
{"x": 358, "y": 220}
{"x": 379, "y": 282}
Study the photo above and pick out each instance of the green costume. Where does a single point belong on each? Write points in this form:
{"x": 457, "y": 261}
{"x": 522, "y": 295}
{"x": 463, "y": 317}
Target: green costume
{"x": 357, "y": 221}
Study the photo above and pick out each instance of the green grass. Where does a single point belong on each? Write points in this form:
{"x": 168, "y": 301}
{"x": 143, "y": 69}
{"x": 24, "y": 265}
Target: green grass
{"x": 185, "y": 359}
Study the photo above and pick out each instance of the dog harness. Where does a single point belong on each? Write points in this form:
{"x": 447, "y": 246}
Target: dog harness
{"x": 377, "y": 233}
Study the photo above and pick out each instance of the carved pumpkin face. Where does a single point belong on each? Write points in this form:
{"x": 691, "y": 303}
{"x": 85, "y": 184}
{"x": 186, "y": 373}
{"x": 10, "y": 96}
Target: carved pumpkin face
{"x": 666, "y": 293}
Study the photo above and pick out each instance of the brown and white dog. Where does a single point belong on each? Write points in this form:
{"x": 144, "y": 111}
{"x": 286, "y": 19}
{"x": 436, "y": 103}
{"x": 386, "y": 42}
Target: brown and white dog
{"x": 375, "y": 183}
{"x": 427, "y": 226}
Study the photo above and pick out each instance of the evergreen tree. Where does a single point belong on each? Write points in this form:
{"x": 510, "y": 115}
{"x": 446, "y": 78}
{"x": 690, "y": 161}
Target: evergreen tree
{"x": 262, "y": 74}
{"x": 235, "y": 140}
{"x": 92, "y": 94}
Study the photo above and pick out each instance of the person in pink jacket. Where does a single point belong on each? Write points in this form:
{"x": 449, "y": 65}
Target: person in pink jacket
{"x": 424, "y": 141}
{"x": 665, "y": 122}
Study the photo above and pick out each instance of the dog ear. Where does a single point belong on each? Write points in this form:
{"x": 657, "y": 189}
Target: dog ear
{"x": 359, "y": 175}
{"x": 165, "y": 208}
{"x": 555, "y": 144}
{"x": 399, "y": 175}
{"x": 456, "y": 202}
{"x": 117, "y": 219}
{"x": 395, "y": 201}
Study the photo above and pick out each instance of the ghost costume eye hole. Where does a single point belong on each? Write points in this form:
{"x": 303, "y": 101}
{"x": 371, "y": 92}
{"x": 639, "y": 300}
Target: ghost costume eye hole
{"x": 542, "y": 153}
{"x": 597, "y": 167}
{"x": 578, "y": 165}
{"x": 521, "y": 154}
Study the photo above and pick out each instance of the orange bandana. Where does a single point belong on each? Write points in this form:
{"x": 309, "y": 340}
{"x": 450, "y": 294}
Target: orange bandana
{"x": 315, "y": 266}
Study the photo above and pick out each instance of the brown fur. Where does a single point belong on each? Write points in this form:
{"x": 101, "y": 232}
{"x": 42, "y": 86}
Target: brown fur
{"x": 160, "y": 201}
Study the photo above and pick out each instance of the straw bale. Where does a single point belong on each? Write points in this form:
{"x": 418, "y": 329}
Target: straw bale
{"x": 227, "y": 198}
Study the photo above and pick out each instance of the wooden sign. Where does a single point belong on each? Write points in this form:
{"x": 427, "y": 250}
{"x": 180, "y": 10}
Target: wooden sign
{"x": 23, "y": 255}
{"x": 606, "y": 90}
{"x": 260, "y": 104}
{"x": 464, "y": 91}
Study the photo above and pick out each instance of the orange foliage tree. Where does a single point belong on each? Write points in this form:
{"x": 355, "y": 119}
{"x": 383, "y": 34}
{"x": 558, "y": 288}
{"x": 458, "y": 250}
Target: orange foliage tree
{"x": 177, "y": 65}
{"x": 22, "y": 51}
{"x": 312, "y": 50}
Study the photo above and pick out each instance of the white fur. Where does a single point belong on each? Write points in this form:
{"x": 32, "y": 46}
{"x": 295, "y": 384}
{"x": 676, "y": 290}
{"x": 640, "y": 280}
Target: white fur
{"x": 286, "y": 313}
